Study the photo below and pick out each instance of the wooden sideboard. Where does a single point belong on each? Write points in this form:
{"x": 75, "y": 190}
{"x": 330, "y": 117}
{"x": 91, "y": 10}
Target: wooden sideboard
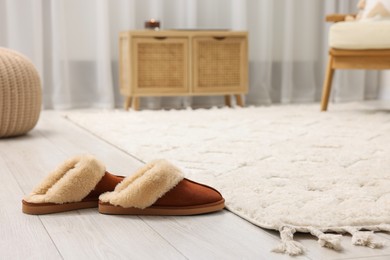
{"x": 183, "y": 63}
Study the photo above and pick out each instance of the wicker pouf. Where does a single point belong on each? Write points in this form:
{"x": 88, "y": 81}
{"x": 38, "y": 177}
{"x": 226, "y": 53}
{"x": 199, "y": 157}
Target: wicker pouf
{"x": 20, "y": 94}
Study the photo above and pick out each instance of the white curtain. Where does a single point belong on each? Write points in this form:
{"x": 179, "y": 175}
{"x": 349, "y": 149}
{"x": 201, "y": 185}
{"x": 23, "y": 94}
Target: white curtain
{"x": 74, "y": 45}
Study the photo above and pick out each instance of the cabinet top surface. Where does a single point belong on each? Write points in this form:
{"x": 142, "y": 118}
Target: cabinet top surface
{"x": 184, "y": 33}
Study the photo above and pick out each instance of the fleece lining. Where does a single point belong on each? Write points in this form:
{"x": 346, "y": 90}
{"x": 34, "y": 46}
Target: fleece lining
{"x": 144, "y": 187}
{"x": 72, "y": 181}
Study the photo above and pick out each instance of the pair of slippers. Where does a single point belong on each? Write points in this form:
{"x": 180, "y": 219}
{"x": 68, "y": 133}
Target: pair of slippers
{"x": 157, "y": 188}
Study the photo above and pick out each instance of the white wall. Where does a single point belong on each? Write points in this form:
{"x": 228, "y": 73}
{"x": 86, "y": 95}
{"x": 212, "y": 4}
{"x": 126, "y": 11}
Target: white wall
{"x": 384, "y": 92}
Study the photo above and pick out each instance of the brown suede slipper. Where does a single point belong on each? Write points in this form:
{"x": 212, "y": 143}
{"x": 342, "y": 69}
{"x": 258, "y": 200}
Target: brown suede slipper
{"x": 159, "y": 188}
{"x": 75, "y": 184}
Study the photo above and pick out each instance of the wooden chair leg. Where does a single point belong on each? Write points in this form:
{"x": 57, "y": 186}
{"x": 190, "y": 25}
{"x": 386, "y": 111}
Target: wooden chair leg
{"x": 127, "y": 103}
{"x": 239, "y": 100}
{"x": 136, "y": 102}
{"x": 327, "y": 84}
{"x": 228, "y": 101}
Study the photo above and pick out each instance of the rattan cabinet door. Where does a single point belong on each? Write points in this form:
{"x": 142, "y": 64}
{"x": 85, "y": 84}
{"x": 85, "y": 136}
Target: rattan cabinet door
{"x": 160, "y": 65}
{"x": 220, "y": 65}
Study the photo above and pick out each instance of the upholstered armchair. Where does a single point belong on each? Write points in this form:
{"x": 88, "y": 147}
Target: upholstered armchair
{"x": 355, "y": 45}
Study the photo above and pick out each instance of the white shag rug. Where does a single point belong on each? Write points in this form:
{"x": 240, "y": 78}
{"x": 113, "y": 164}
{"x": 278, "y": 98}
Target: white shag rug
{"x": 289, "y": 168}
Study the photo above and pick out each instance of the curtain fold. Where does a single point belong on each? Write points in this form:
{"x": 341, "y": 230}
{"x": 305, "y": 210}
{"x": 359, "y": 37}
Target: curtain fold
{"x": 74, "y": 45}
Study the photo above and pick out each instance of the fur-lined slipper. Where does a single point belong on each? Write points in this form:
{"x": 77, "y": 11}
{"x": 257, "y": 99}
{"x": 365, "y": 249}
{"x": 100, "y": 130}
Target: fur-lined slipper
{"x": 75, "y": 184}
{"x": 159, "y": 188}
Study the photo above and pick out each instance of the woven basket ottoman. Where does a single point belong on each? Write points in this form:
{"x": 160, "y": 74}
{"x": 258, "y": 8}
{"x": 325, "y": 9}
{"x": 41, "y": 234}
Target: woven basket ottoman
{"x": 20, "y": 94}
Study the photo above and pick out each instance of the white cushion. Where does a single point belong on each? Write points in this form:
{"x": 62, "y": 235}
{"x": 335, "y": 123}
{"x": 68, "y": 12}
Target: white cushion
{"x": 360, "y": 35}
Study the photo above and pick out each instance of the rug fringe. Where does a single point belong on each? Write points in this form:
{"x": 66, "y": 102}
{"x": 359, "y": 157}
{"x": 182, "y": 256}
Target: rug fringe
{"x": 331, "y": 241}
{"x": 288, "y": 245}
{"x": 365, "y": 238}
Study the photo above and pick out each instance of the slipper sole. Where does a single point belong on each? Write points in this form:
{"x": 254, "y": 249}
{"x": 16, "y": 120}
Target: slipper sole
{"x": 106, "y": 208}
{"x": 48, "y": 208}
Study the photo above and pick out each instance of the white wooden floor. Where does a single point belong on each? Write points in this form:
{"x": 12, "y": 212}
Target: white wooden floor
{"x": 86, "y": 234}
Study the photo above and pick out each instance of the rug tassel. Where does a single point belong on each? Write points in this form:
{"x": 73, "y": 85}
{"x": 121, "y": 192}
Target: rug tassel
{"x": 288, "y": 245}
{"x": 365, "y": 238}
{"x": 331, "y": 241}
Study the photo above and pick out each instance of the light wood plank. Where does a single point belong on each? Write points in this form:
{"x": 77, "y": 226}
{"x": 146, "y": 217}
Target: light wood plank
{"x": 63, "y": 134}
{"x": 384, "y": 235}
{"x": 221, "y": 235}
{"x": 88, "y": 234}
{"x": 19, "y": 232}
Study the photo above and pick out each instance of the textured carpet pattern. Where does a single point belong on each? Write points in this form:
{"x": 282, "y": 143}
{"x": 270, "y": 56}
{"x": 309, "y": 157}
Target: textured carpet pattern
{"x": 289, "y": 168}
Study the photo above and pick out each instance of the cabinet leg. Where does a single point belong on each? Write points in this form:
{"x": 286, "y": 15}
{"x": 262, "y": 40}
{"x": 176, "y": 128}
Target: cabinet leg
{"x": 136, "y": 102}
{"x": 228, "y": 101}
{"x": 239, "y": 100}
{"x": 127, "y": 103}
